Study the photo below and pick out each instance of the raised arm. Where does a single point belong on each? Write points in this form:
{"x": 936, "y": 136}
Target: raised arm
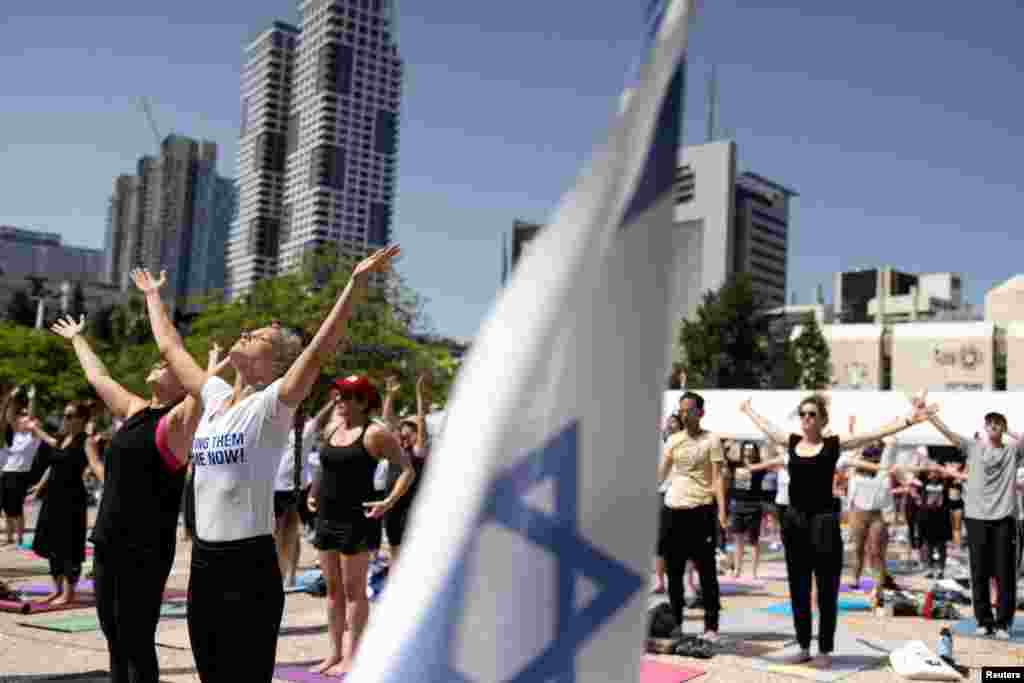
{"x": 921, "y": 414}
{"x": 384, "y": 446}
{"x": 38, "y": 432}
{"x": 421, "y": 414}
{"x": 92, "y": 454}
{"x": 303, "y": 373}
{"x": 168, "y": 341}
{"x": 118, "y": 400}
{"x": 774, "y": 434}
{"x": 387, "y": 413}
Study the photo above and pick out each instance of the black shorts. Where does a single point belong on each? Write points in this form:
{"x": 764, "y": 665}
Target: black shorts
{"x": 283, "y": 501}
{"x": 13, "y": 489}
{"x": 348, "y": 537}
{"x": 747, "y": 521}
{"x": 395, "y": 522}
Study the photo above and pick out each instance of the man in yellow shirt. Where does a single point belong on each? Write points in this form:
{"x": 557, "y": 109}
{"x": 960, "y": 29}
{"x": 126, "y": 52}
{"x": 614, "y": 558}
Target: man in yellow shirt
{"x": 692, "y": 464}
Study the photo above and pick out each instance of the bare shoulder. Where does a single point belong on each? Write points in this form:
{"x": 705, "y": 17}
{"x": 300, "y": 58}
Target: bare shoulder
{"x": 378, "y": 438}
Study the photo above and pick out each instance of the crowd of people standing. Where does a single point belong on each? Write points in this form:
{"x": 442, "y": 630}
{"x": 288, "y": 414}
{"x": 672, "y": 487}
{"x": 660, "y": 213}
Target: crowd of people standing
{"x": 714, "y": 487}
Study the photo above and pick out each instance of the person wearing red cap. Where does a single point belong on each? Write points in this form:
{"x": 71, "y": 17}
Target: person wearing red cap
{"x": 348, "y": 525}
{"x": 236, "y": 597}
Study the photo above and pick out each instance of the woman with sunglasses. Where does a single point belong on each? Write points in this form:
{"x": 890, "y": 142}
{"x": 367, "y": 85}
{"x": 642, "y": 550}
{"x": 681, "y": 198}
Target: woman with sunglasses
{"x": 236, "y": 597}
{"x": 810, "y": 530}
{"x": 349, "y": 512}
{"x": 60, "y": 529}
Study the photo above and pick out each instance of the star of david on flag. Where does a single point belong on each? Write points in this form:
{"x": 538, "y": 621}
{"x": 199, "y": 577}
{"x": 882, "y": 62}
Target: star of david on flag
{"x": 527, "y": 551}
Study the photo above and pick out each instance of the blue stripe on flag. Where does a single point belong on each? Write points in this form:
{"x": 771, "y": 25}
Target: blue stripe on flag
{"x": 430, "y": 657}
{"x": 659, "y": 173}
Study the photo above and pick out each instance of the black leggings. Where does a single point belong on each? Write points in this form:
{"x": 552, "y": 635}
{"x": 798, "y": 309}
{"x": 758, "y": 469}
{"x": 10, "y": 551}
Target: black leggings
{"x": 61, "y": 568}
{"x": 129, "y": 591}
{"x": 814, "y": 550}
{"x": 690, "y": 535}
{"x": 235, "y": 604}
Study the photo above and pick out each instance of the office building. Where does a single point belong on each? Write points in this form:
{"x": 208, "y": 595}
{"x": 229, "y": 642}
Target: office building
{"x": 886, "y": 295}
{"x": 331, "y": 130}
{"x": 732, "y": 223}
{"x": 31, "y": 253}
{"x": 172, "y": 215}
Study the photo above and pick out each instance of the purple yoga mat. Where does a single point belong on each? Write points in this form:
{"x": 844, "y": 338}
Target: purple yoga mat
{"x": 864, "y": 585}
{"x": 86, "y": 586}
{"x": 301, "y": 674}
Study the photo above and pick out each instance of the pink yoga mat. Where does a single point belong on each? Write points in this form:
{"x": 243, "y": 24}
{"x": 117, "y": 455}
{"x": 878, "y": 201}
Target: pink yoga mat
{"x": 35, "y": 608}
{"x": 650, "y": 672}
{"x": 657, "y": 672}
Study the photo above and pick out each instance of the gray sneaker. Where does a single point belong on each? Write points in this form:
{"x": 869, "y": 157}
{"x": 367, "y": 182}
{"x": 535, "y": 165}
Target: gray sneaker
{"x": 984, "y": 631}
{"x": 1002, "y": 634}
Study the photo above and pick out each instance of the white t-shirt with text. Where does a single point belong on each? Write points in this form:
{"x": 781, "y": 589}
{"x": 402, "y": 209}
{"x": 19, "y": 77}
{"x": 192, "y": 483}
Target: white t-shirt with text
{"x": 235, "y": 456}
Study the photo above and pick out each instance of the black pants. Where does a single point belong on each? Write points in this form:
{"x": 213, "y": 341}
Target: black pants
{"x": 910, "y": 510}
{"x": 936, "y": 555}
{"x": 235, "y": 604}
{"x": 814, "y": 550}
{"x": 62, "y": 568}
{"x": 690, "y": 535}
{"x": 992, "y": 545}
{"x": 129, "y": 590}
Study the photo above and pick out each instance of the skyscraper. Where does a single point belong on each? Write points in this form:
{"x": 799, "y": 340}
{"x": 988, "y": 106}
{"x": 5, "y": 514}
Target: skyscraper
{"x": 338, "y": 93}
{"x": 735, "y": 224}
{"x": 254, "y": 240}
{"x": 171, "y": 216}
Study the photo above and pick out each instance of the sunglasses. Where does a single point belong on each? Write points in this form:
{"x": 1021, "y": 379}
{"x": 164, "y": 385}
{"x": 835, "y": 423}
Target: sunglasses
{"x": 348, "y": 396}
{"x": 807, "y": 413}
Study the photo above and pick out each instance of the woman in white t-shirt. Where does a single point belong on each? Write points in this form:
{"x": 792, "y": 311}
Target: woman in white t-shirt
{"x": 236, "y": 598}
{"x": 288, "y": 485}
{"x": 20, "y": 442}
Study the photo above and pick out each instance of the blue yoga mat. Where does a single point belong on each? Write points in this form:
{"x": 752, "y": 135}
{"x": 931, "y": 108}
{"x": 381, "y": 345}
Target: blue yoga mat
{"x": 965, "y": 627}
{"x": 845, "y": 605}
{"x": 304, "y": 582}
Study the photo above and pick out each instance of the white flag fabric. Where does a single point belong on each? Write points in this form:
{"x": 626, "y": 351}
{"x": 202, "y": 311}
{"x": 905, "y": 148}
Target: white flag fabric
{"x": 527, "y": 557}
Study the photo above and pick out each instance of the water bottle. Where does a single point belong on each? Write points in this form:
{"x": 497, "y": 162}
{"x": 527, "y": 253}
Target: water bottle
{"x": 945, "y": 649}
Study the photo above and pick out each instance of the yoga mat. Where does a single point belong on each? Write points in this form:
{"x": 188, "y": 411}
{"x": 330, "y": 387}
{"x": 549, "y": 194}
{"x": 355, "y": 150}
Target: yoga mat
{"x": 742, "y": 581}
{"x": 845, "y": 605}
{"x": 87, "y": 587}
{"x": 85, "y": 677}
{"x": 864, "y": 585}
{"x": 658, "y": 672}
{"x": 903, "y": 567}
{"x": 304, "y": 582}
{"x": 35, "y": 608}
{"x": 301, "y": 674}
{"x": 852, "y": 654}
{"x": 78, "y": 623}
{"x": 965, "y": 627}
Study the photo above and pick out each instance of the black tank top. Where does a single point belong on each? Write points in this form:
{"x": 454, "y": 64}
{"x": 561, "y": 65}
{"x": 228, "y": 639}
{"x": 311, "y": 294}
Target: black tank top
{"x": 141, "y": 496}
{"x": 346, "y": 481}
{"x": 810, "y": 479}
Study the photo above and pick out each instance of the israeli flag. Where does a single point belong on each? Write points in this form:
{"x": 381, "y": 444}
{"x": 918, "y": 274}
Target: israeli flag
{"x": 528, "y": 554}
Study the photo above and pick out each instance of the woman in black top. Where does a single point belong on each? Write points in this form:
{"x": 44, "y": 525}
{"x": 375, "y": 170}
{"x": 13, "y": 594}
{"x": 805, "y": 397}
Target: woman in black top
{"x": 60, "y": 528}
{"x": 349, "y": 512}
{"x": 810, "y": 529}
{"x": 747, "y": 512}
{"x": 956, "y": 504}
{"x": 143, "y": 474}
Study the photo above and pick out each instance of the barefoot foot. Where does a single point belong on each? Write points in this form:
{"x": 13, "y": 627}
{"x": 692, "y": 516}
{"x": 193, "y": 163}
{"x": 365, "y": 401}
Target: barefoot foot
{"x": 323, "y": 666}
{"x": 48, "y": 599}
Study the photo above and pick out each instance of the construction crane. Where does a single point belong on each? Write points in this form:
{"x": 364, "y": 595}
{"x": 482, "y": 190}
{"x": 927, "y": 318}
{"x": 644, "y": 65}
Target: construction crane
{"x": 147, "y": 109}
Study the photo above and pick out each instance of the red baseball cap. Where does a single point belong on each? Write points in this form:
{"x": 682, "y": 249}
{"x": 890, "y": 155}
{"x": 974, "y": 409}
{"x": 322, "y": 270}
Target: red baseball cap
{"x": 361, "y": 386}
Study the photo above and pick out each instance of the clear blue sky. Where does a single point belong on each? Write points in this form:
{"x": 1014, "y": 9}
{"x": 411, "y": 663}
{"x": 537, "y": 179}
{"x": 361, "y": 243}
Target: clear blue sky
{"x": 900, "y": 125}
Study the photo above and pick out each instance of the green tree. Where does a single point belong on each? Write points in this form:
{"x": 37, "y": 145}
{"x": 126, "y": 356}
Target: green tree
{"x": 727, "y": 346}
{"x": 20, "y": 310}
{"x": 811, "y": 354}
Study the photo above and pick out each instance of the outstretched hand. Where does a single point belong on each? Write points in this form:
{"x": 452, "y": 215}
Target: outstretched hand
{"x": 376, "y": 262}
{"x": 67, "y": 327}
{"x": 146, "y": 282}
{"x": 746, "y": 406}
